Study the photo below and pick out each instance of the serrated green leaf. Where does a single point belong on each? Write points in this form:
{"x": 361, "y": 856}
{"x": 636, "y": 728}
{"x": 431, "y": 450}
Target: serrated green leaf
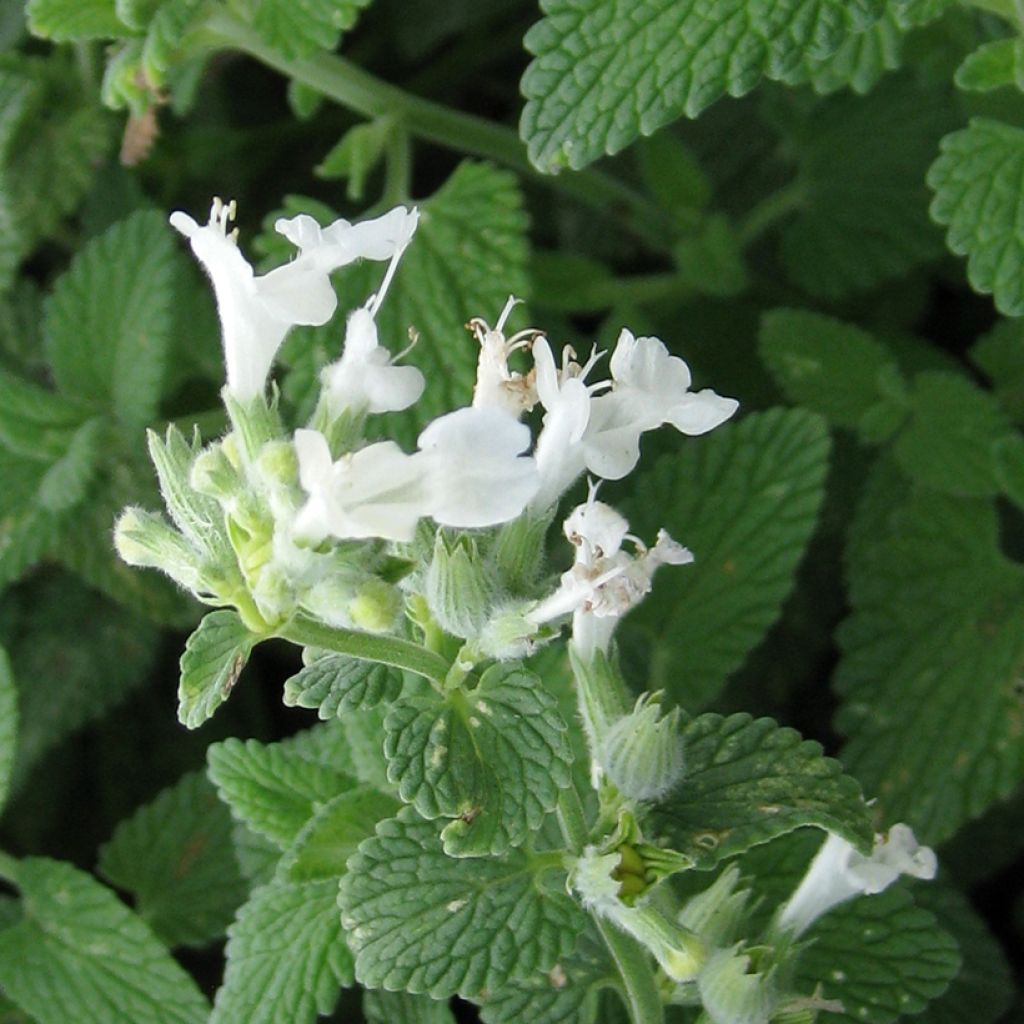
{"x": 419, "y": 920}
{"x": 331, "y": 836}
{"x": 80, "y": 954}
{"x": 747, "y": 781}
{"x": 107, "y": 319}
{"x": 380, "y": 1007}
{"x": 300, "y": 29}
{"x": 176, "y": 858}
{"x": 607, "y": 71}
{"x": 993, "y": 65}
{"x": 25, "y": 534}
{"x": 864, "y": 219}
{"x": 286, "y": 956}
{"x": 947, "y": 443}
{"x": 978, "y": 181}
{"x": 274, "y": 789}
{"x": 211, "y": 663}
{"x": 824, "y": 364}
{"x": 881, "y": 957}
{"x": 64, "y": 20}
{"x": 257, "y": 856}
{"x": 34, "y": 422}
{"x": 493, "y": 760}
{"x": 65, "y": 483}
{"x": 745, "y": 501}
{"x": 931, "y": 658}
{"x": 999, "y": 354}
{"x": 474, "y": 223}
{"x": 336, "y": 684}
{"x": 8, "y": 724}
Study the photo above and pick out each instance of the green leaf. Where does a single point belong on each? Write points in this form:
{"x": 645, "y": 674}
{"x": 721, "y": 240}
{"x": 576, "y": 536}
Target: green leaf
{"x": 34, "y": 422}
{"x": 493, "y": 760}
{"x": 747, "y": 781}
{"x": 1008, "y": 465}
{"x": 881, "y": 957}
{"x": 999, "y": 354}
{"x": 864, "y": 219}
{"x": 607, "y": 71}
{"x": 273, "y": 788}
{"x": 947, "y": 443}
{"x": 64, "y": 20}
{"x": 929, "y": 674}
{"x": 825, "y": 364}
{"x": 286, "y": 956}
{"x": 745, "y": 500}
{"x": 331, "y": 836}
{"x": 107, "y": 319}
{"x": 300, "y": 29}
{"x": 80, "y": 954}
{"x": 380, "y": 1007}
{"x": 211, "y": 663}
{"x": 65, "y": 483}
{"x": 176, "y": 858}
{"x": 469, "y": 254}
{"x": 419, "y": 920}
{"x": 356, "y": 154}
{"x": 336, "y": 684}
{"x": 978, "y": 181}
{"x": 8, "y": 724}
{"x": 993, "y": 65}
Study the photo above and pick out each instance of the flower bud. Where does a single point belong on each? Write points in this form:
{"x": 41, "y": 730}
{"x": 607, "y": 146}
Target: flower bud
{"x": 642, "y": 753}
{"x": 145, "y": 539}
{"x": 376, "y": 606}
{"x": 278, "y": 464}
{"x": 715, "y": 914}
{"x": 734, "y": 992}
{"x": 215, "y": 474}
{"x": 459, "y": 586}
{"x": 509, "y": 634}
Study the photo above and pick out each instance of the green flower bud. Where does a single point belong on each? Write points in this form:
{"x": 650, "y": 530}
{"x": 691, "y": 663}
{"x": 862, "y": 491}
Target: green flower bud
{"x": 215, "y": 474}
{"x": 255, "y": 422}
{"x": 459, "y": 587}
{"x": 147, "y": 540}
{"x": 509, "y": 634}
{"x": 376, "y": 606}
{"x": 733, "y": 991}
{"x": 278, "y": 464}
{"x": 642, "y": 753}
{"x": 716, "y": 913}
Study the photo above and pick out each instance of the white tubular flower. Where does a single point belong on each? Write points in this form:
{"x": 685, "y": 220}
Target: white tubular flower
{"x": 378, "y": 491}
{"x": 257, "y": 312}
{"x": 605, "y": 582}
{"x": 477, "y": 473}
{"x": 839, "y": 873}
{"x": 497, "y": 387}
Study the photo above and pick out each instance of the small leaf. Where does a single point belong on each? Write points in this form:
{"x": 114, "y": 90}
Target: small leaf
{"x": 493, "y": 760}
{"x": 336, "y": 684}
{"x": 993, "y": 65}
{"x": 999, "y": 354}
{"x": 64, "y": 20}
{"x": 213, "y": 659}
{"x": 273, "y": 788}
{"x": 419, "y": 920}
{"x": 748, "y": 781}
{"x": 176, "y": 858}
{"x": 286, "y": 956}
{"x": 80, "y": 954}
{"x": 978, "y": 181}
{"x": 8, "y": 724}
{"x": 298, "y": 30}
{"x": 356, "y": 154}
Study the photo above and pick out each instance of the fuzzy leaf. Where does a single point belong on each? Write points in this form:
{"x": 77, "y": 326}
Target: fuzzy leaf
{"x": 748, "y": 781}
{"x": 80, "y": 954}
{"x": 336, "y": 684}
{"x": 274, "y": 788}
{"x": 286, "y": 956}
{"x": 607, "y": 71}
{"x": 211, "y": 663}
{"x": 419, "y": 920}
{"x": 978, "y": 181}
{"x": 493, "y": 760}
{"x": 107, "y": 321}
{"x": 175, "y": 856}
{"x": 64, "y": 20}
{"x": 993, "y": 65}
{"x": 745, "y": 500}
{"x": 380, "y": 1007}
{"x": 8, "y": 724}
{"x": 300, "y": 29}
{"x": 930, "y": 669}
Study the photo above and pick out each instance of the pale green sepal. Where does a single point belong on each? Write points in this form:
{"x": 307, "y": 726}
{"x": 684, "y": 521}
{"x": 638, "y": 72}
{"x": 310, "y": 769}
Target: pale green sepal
{"x": 460, "y": 586}
{"x": 716, "y": 913}
{"x": 642, "y": 752}
{"x": 519, "y": 550}
{"x": 344, "y": 428}
{"x": 278, "y": 464}
{"x": 146, "y": 540}
{"x": 254, "y": 423}
{"x": 215, "y": 474}
{"x": 734, "y": 994}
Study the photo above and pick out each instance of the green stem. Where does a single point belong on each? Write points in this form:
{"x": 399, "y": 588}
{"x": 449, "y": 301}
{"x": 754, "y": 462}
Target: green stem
{"x": 636, "y": 979}
{"x": 372, "y": 97}
{"x": 771, "y": 209}
{"x": 387, "y": 650}
{"x": 398, "y": 167}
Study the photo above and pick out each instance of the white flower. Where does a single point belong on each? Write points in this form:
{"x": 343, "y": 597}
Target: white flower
{"x": 257, "y": 312}
{"x": 605, "y": 582}
{"x": 496, "y": 386}
{"x": 378, "y": 491}
{"x": 477, "y": 473}
{"x": 839, "y": 873}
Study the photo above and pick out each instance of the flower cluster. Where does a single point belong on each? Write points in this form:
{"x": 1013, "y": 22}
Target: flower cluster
{"x": 276, "y": 524}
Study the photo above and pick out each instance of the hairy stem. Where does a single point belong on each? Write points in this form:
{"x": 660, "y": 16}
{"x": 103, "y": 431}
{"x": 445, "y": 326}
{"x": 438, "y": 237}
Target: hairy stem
{"x": 387, "y": 650}
{"x": 352, "y": 87}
